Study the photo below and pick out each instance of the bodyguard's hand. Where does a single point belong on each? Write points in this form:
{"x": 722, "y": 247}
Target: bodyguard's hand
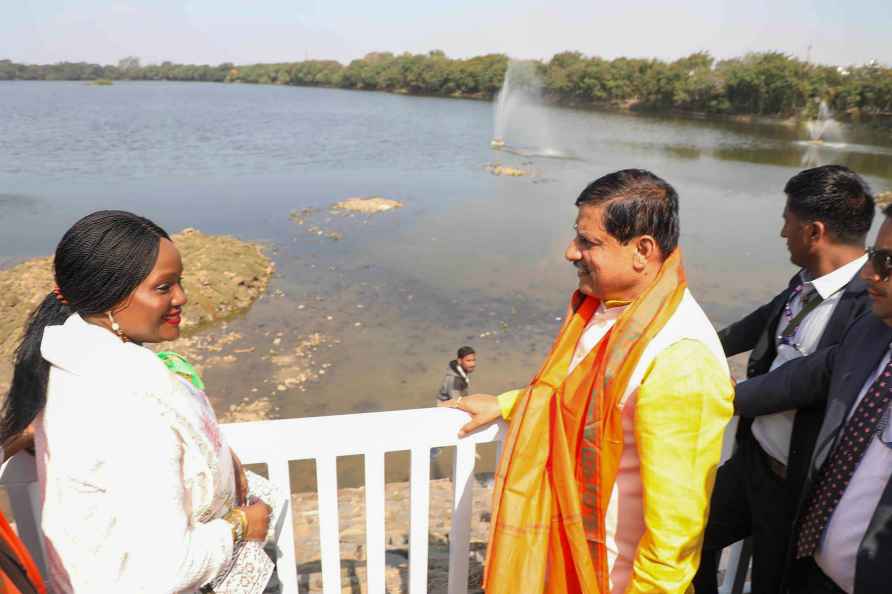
{"x": 483, "y": 408}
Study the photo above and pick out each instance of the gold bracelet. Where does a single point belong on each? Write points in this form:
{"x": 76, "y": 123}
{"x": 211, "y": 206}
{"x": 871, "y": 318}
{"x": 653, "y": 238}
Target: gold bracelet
{"x": 238, "y": 519}
{"x": 244, "y": 519}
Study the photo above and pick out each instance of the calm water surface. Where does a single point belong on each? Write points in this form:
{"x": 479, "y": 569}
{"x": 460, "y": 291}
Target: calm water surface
{"x": 470, "y": 254}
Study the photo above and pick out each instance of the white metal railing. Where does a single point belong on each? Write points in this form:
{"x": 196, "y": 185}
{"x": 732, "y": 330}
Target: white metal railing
{"x": 324, "y": 439}
{"x": 372, "y": 435}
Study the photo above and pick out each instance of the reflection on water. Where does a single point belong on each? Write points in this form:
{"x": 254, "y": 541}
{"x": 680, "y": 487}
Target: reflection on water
{"x": 866, "y": 160}
{"x": 869, "y": 160}
{"x": 12, "y": 205}
{"x": 543, "y": 152}
{"x": 683, "y": 151}
{"x": 471, "y": 259}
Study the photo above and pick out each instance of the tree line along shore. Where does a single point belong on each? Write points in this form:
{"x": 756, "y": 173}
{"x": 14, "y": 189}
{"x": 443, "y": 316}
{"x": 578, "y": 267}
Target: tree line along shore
{"x": 769, "y": 84}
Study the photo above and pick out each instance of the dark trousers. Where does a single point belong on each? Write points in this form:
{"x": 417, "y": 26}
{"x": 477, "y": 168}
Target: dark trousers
{"x": 809, "y": 579}
{"x": 749, "y": 500}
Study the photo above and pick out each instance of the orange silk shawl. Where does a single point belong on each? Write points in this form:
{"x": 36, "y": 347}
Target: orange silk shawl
{"x": 562, "y": 452}
{"x": 21, "y": 557}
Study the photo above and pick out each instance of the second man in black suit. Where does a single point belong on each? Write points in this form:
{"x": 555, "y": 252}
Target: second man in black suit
{"x": 841, "y": 542}
{"x": 827, "y": 215}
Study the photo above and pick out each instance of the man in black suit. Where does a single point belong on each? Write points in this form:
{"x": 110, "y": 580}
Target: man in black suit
{"x": 842, "y": 536}
{"x": 827, "y": 215}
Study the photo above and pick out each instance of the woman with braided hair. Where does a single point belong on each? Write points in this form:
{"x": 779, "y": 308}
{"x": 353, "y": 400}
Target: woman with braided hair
{"x": 140, "y": 492}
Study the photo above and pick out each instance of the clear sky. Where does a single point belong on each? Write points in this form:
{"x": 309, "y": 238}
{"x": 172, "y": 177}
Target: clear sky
{"x": 246, "y": 31}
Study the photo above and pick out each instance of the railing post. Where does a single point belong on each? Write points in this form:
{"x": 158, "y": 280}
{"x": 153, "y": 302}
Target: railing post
{"x": 329, "y": 533}
{"x": 19, "y": 476}
{"x": 375, "y": 514}
{"x": 280, "y": 476}
{"x": 462, "y": 503}
{"x": 739, "y": 557}
{"x": 419, "y": 518}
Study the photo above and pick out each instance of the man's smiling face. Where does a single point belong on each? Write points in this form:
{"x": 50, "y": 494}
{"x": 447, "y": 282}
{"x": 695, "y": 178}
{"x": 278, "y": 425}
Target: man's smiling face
{"x": 604, "y": 265}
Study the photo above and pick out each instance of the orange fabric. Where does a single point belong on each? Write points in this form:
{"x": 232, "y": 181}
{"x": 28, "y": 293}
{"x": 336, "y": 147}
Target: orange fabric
{"x": 562, "y": 451}
{"x": 12, "y": 541}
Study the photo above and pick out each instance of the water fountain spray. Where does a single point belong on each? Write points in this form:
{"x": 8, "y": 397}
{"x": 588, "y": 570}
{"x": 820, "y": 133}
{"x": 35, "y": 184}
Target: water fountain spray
{"x": 824, "y": 127}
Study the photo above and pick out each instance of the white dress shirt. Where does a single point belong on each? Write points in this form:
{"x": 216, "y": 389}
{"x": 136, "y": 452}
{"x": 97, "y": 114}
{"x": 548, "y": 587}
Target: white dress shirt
{"x": 838, "y": 550}
{"x": 773, "y": 432}
{"x": 601, "y": 323}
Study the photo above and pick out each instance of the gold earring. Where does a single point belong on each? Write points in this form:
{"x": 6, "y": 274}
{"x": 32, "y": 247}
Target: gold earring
{"x": 116, "y": 328}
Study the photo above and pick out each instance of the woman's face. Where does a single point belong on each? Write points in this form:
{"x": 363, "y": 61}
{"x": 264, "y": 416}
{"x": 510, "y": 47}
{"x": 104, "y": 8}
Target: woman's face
{"x": 152, "y": 312}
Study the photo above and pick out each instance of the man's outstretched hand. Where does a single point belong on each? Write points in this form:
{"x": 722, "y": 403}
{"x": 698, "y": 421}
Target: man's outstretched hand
{"x": 483, "y": 408}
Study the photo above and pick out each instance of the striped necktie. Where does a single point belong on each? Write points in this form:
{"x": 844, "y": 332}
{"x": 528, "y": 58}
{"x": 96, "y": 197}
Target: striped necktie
{"x": 837, "y": 471}
{"x": 809, "y": 298}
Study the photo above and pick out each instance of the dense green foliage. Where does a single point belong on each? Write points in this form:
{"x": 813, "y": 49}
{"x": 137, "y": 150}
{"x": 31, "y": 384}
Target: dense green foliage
{"x": 126, "y": 69}
{"x": 769, "y": 83}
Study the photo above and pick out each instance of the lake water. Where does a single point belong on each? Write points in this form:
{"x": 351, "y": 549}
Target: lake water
{"x": 471, "y": 259}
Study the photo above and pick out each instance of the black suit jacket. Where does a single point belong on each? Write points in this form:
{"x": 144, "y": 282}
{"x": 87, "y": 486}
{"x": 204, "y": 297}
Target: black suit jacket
{"x": 833, "y": 376}
{"x": 757, "y": 332}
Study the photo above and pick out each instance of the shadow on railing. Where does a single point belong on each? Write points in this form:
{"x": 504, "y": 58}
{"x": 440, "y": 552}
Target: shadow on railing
{"x": 324, "y": 439}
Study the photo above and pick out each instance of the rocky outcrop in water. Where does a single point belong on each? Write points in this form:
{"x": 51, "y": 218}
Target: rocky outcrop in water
{"x": 222, "y": 274}
{"x": 351, "y": 206}
{"x": 370, "y": 205}
{"x": 504, "y": 170}
{"x": 22, "y": 288}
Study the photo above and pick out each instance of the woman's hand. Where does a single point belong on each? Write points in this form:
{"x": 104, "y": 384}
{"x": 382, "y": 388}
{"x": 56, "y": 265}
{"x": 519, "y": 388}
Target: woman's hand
{"x": 258, "y": 514}
{"x": 483, "y": 408}
{"x": 241, "y": 481}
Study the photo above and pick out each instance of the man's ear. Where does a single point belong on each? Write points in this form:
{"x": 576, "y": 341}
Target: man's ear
{"x": 817, "y": 231}
{"x": 646, "y": 249}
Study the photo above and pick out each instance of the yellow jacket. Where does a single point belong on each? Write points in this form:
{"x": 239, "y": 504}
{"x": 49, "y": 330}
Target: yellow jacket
{"x": 683, "y": 404}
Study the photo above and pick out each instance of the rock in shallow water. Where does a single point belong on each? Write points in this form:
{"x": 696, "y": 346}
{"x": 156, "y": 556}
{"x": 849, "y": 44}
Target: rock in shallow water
{"x": 504, "y": 170}
{"x": 370, "y": 205}
{"x": 232, "y": 275}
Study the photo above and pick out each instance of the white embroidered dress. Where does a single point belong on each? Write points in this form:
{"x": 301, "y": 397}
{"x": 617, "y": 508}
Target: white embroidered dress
{"x": 133, "y": 470}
